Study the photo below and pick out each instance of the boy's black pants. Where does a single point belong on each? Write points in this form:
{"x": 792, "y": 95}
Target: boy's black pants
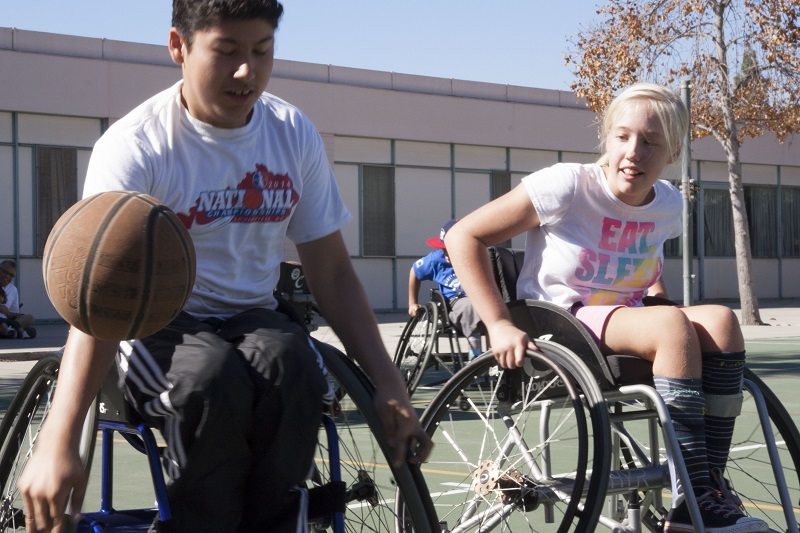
{"x": 239, "y": 403}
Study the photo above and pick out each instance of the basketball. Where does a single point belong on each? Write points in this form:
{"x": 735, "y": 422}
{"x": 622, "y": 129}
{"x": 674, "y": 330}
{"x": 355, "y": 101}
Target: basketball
{"x": 119, "y": 265}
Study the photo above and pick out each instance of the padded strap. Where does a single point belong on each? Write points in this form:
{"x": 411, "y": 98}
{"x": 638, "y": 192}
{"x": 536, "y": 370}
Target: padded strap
{"x": 724, "y": 405}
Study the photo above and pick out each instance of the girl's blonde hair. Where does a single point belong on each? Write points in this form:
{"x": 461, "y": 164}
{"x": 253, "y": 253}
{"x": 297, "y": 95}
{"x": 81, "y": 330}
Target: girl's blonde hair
{"x": 667, "y": 106}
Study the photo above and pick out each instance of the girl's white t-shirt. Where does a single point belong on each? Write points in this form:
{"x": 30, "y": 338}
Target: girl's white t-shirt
{"x": 239, "y": 191}
{"x": 591, "y": 247}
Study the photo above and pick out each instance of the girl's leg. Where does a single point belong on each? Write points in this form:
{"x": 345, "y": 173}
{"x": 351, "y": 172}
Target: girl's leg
{"x": 665, "y": 336}
{"x": 722, "y": 344}
{"x": 675, "y": 340}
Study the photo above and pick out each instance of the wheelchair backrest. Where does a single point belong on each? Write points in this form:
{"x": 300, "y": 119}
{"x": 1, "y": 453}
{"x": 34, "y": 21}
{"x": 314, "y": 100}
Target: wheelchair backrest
{"x": 506, "y": 266}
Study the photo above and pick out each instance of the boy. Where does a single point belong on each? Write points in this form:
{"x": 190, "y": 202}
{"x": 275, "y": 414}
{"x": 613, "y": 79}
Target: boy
{"x": 244, "y": 170}
{"x": 436, "y": 267}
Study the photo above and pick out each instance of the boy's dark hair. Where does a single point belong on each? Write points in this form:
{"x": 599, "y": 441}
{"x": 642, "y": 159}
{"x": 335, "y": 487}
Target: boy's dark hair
{"x": 190, "y": 16}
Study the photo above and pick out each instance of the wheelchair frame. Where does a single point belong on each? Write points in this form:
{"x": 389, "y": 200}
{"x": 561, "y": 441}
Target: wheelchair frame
{"x": 351, "y": 450}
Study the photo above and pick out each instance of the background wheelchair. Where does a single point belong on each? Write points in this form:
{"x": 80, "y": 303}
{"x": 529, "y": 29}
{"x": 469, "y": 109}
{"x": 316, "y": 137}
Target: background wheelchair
{"x": 430, "y": 350}
{"x": 575, "y": 440}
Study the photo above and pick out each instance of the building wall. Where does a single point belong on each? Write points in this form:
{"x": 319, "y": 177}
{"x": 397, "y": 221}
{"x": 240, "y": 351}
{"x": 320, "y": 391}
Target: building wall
{"x": 442, "y": 137}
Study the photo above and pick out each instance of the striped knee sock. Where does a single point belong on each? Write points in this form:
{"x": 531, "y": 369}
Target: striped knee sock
{"x": 722, "y": 384}
{"x": 686, "y": 403}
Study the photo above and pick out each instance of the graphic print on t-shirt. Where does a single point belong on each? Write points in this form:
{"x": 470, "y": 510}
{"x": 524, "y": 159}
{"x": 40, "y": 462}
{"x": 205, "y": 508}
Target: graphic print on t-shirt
{"x": 260, "y": 197}
{"x": 623, "y": 260}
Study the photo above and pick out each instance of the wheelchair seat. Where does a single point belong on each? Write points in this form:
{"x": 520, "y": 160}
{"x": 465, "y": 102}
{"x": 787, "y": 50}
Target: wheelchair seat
{"x": 544, "y": 319}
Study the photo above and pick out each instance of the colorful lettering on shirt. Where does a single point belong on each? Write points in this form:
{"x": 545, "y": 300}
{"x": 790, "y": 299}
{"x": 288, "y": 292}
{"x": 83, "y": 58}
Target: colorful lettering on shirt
{"x": 623, "y": 259}
{"x": 261, "y": 197}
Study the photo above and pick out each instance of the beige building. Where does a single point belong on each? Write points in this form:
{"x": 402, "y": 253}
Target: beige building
{"x": 409, "y": 152}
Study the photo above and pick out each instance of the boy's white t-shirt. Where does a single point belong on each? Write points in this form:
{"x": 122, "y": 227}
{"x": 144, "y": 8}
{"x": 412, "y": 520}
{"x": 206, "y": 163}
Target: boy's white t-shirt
{"x": 591, "y": 247}
{"x": 239, "y": 191}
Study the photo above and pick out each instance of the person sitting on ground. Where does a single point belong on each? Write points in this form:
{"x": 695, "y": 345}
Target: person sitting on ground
{"x": 436, "y": 267}
{"x": 236, "y": 387}
{"x": 21, "y": 323}
{"x": 595, "y": 236}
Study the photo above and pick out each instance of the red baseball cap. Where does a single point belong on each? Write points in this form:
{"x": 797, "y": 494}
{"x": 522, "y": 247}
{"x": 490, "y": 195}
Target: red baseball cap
{"x": 438, "y": 242}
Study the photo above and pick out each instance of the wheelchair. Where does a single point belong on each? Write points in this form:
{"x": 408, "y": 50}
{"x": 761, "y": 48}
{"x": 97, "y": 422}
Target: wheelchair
{"x": 353, "y": 477}
{"x": 430, "y": 351}
{"x": 575, "y": 440}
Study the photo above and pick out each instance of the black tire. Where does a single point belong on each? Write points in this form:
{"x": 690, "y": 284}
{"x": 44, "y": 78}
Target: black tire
{"x": 490, "y": 464}
{"x": 365, "y": 466}
{"x": 413, "y": 354}
{"x": 19, "y": 430}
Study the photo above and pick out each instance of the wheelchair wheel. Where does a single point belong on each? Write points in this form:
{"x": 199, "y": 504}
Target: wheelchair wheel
{"x": 750, "y": 465}
{"x": 369, "y": 479}
{"x": 19, "y": 431}
{"x": 749, "y": 469}
{"x": 413, "y": 354}
{"x": 530, "y": 454}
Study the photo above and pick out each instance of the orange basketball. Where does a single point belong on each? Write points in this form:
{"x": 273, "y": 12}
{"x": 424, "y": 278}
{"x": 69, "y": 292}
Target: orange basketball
{"x": 119, "y": 265}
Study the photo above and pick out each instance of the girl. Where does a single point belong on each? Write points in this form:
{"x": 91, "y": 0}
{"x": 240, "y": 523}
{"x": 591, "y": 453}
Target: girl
{"x": 595, "y": 236}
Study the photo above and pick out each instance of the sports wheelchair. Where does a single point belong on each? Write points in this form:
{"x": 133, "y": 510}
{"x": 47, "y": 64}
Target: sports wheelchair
{"x": 419, "y": 355}
{"x": 353, "y": 481}
{"x": 575, "y": 440}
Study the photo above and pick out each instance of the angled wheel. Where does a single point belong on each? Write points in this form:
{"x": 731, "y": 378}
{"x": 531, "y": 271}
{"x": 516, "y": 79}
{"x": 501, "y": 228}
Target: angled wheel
{"x": 19, "y": 431}
{"x": 750, "y": 464}
{"x": 529, "y": 454}
{"x": 413, "y": 354}
{"x": 752, "y": 469}
{"x": 371, "y": 485}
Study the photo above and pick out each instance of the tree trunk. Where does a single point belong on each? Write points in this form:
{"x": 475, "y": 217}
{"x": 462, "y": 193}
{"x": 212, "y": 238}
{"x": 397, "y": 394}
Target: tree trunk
{"x": 744, "y": 262}
{"x": 730, "y": 143}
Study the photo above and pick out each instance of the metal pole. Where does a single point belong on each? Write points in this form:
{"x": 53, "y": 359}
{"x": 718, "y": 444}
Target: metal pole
{"x": 686, "y": 194}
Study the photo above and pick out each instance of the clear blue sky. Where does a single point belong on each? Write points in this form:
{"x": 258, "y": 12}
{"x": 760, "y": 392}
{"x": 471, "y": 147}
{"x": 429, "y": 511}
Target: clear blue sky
{"x": 518, "y": 42}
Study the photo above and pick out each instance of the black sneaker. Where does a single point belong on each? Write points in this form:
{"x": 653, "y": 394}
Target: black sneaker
{"x": 719, "y": 514}
{"x": 726, "y": 488}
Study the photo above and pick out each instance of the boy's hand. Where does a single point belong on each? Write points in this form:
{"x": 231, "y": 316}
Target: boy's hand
{"x": 414, "y": 309}
{"x": 402, "y": 428}
{"x": 46, "y": 484}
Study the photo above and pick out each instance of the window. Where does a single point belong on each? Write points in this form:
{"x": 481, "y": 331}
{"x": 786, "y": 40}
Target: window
{"x": 57, "y": 188}
{"x": 501, "y": 184}
{"x": 718, "y": 218}
{"x": 762, "y": 219}
{"x": 790, "y": 221}
{"x": 378, "y": 216}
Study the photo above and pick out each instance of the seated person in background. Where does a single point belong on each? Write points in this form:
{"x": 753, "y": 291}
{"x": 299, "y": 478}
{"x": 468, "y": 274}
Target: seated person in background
{"x": 5, "y": 329}
{"x": 235, "y": 386}
{"x": 436, "y": 267}
{"x": 595, "y": 239}
{"x": 21, "y": 323}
